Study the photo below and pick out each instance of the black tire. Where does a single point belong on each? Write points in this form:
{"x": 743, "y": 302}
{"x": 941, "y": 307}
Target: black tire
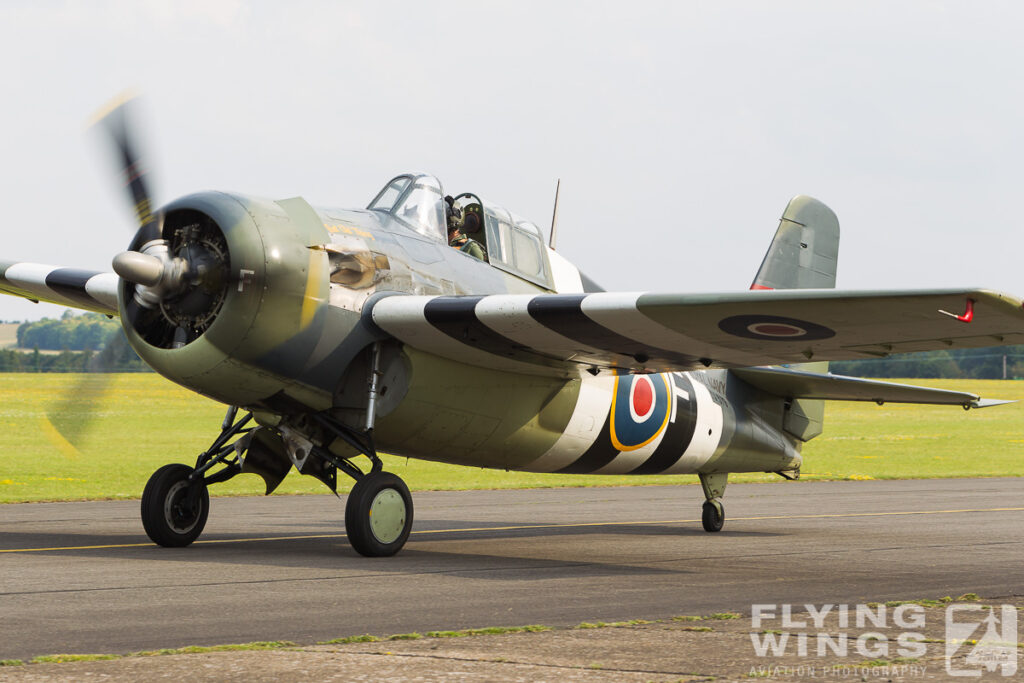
{"x": 386, "y": 494}
{"x": 167, "y": 515}
{"x": 713, "y": 517}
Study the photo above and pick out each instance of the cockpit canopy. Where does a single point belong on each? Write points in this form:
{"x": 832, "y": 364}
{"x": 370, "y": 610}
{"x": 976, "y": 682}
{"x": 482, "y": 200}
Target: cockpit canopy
{"x": 417, "y": 201}
{"x": 511, "y": 243}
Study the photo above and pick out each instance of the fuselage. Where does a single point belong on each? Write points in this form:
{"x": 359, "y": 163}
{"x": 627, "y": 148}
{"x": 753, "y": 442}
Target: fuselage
{"x": 291, "y": 334}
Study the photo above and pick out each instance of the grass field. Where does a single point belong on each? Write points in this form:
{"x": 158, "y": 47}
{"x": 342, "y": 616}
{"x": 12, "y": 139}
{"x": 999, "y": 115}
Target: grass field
{"x": 138, "y": 422}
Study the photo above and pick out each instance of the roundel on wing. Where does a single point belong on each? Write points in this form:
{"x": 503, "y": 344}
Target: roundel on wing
{"x": 640, "y": 410}
{"x": 774, "y": 328}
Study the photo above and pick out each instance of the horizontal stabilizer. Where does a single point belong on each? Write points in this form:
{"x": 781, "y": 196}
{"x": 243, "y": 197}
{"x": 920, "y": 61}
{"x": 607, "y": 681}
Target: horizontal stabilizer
{"x": 989, "y": 402}
{"x": 797, "y": 384}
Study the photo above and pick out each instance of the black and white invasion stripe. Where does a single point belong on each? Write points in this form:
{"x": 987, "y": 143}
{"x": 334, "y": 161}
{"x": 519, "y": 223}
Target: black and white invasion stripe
{"x": 85, "y": 289}
{"x": 556, "y": 334}
{"x": 644, "y": 332}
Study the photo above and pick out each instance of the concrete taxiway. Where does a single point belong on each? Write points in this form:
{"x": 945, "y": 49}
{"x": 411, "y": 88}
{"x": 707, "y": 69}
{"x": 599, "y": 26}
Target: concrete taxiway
{"x": 81, "y": 577}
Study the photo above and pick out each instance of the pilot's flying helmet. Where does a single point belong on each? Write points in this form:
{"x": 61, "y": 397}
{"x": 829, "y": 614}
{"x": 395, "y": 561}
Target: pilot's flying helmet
{"x": 452, "y": 213}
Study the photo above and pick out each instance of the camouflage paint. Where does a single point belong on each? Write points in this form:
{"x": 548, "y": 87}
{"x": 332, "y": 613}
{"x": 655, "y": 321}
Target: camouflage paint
{"x": 487, "y": 369}
{"x": 464, "y": 415}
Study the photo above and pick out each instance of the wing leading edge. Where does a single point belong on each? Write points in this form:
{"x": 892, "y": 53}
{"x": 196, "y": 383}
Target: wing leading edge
{"x": 85, "y": 289}
{"x": 629, "y": 332}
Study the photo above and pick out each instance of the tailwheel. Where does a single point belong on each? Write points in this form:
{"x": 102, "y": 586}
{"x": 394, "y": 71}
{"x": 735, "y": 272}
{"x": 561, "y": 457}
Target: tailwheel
{"x": 174, "y": 510}
{"x": 713, "y": 484}
{"x": 378, "y": 514}
{"x": 713, "y": 517}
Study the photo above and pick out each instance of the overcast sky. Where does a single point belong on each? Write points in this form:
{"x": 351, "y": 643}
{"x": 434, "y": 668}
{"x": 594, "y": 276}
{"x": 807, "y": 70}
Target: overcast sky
{"x": 679, "y": 129}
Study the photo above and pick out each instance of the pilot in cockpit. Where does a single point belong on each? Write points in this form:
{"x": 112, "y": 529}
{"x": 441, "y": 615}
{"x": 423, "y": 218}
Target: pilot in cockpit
{"x": 456, "y": 238}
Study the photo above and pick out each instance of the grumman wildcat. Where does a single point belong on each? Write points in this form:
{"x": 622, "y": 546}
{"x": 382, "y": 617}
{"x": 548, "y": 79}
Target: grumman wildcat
{"x": 335, "y": 334}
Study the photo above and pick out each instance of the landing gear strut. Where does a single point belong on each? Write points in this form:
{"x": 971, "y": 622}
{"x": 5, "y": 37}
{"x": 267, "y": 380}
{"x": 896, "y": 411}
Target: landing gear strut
{"x": 175, "y": 502}
{"x": 379, "y": 511}
{"x": 713, "y": 513}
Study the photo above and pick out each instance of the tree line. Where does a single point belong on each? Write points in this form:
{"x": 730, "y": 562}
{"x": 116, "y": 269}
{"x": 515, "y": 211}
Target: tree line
{"x": 89, "y": 342}
{"x": 71, "y": 332}
{"x": 995, "y": 362}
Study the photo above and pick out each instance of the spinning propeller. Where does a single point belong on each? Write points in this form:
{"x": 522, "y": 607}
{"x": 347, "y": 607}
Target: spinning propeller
{"x": 174, "y": 273}
{"x": 177, "y": 273}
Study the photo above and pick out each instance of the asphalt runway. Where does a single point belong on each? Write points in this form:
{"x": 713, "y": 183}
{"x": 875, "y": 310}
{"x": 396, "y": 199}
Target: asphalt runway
{"x": 82, "y": 577}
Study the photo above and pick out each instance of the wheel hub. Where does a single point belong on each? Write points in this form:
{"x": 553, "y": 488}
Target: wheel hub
{"x": 180, "y": 515}
{"x": 387, "y": 515}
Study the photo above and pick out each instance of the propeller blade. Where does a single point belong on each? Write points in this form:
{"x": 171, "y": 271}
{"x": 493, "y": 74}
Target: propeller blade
{"x": 116, "y": 121}
{"x": 73, "y": 415}
{"x": 175, "y": 283}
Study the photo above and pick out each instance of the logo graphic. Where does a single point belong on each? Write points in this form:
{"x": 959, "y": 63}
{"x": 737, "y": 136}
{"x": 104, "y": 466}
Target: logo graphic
{"x": 985, "y": 638}
{"x": 640, "y": 410}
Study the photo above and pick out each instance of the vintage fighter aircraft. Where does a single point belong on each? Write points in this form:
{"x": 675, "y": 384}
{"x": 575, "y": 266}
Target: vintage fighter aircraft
{"x": 340, "y": 333}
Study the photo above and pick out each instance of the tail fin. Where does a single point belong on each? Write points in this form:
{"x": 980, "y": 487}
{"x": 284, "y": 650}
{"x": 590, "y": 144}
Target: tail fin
{"x": 805, "y": 251}
{"x": 803, "y": 255}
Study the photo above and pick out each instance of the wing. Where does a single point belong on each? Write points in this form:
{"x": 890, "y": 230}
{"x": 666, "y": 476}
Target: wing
{"x": 628, "y": 332}
{"x": 86, "y": 289}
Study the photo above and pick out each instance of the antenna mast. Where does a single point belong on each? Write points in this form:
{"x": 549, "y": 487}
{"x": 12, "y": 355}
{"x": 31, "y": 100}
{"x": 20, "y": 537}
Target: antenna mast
{"x": 554, "y": 217}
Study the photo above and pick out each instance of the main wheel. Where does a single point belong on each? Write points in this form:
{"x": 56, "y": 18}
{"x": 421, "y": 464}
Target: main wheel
{"x": 713, "y": 516}
{"x": 173, "y": 512}
{"x": 378, "y": 515}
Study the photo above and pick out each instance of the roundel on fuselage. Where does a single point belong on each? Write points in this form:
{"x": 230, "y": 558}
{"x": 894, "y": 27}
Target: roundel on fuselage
{"x": 640, "y": 410}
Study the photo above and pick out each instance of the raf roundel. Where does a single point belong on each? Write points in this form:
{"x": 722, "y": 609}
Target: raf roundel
{"x": 774, "y": 328}
{"x": 641, "y": 399}
{"x": 640, "y": 410}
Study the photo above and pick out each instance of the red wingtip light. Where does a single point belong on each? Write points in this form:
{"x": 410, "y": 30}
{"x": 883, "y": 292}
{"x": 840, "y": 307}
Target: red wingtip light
{"x": 968, "y": 314}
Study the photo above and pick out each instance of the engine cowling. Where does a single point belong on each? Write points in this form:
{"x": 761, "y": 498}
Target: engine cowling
{"x": 243, "y": 327}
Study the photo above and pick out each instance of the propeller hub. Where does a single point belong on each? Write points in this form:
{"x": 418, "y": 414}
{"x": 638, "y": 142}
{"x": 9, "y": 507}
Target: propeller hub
{"x": 178, "y": 282}
{"x": 141, "y": 269}
{"x": 157, "y": 274}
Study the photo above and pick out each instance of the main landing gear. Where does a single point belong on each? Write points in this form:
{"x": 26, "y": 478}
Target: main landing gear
{"x": 173, "y": 510}
{"x": 176, "y": 502}
{"x": 713, "y": 513}
{"x": 378, "y": 513}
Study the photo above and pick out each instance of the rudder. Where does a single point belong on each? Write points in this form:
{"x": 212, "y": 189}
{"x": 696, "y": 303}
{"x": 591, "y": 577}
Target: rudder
{"x": 805, "y": 251}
